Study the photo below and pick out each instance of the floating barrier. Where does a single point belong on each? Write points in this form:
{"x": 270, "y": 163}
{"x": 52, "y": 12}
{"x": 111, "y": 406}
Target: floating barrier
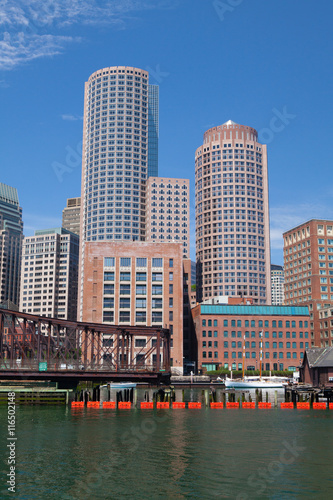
{"x": 264, "y": 405}
{"x": 194, "y": 405}
{"x": 246, "y": 404}
{"x": 178, "y": 405}
{"x": 109, "y": 404}
{"x": 303, "y": 406}
{"x": 319, "y": 406}
{"x": 330, "y": 406}
{"x": 146, "y": 406}
{"x": 287, "y": 405}
{"x": 93, "y": 404}
{"x": 161, "y": 405}
{"x": 216, "y": 405}
{"x": 232, "y": 405}
{"x": 77, "y": 404}
{"x": 124, "y": 405}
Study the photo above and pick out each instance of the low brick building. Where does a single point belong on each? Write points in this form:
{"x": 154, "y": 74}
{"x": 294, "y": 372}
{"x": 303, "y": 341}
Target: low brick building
{"x": 223, "y": 329}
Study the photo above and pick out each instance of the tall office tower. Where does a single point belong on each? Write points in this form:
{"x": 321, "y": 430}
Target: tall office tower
{"x": 308, "y": 264}
{"x": 168, "y": 211}
{"x": 71, "y": 215}
{"x": 115, "y": 155}
{"x": 153, "y": 94}
{"x": 49, "y": 274}
{"x": 11, "y": 235}
{"x": 277, "y": 280}
{"x": 232, "y": 219}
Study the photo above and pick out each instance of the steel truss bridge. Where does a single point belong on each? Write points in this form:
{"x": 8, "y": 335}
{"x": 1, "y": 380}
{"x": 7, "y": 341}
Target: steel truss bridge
{"x": 41, "y": 348}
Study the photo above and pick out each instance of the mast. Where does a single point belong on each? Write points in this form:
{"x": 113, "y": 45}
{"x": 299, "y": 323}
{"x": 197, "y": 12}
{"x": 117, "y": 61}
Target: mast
{"x": 260, "y": 356}
{"x": 243, "y": 355}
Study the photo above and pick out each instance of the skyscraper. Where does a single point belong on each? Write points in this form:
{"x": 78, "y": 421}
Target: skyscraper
{"x": 277, "y": 279}
{"x": 153, "y": 94}
{"x": 11, "y": 234}
{"x": 71, "y": 215}
{"x": 232, "y": 219}
{"x": 115, "y": 153}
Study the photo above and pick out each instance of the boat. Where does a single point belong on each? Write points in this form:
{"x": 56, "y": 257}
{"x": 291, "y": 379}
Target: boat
{"x": 122, "y": 385}
{"x": 256, "y": 383}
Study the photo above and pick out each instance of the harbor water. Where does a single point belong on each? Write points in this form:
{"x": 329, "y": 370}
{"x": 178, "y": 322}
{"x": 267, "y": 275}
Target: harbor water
{"x": 65, "y": 453}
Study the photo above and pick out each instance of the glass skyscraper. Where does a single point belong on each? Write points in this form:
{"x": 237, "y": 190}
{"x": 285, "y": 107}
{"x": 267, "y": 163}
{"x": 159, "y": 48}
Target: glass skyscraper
{"x": 153, "y": 99}
{"x": 11, "y": 235}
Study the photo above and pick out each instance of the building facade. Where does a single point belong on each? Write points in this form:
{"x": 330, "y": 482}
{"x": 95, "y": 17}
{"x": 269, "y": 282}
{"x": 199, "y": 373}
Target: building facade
{"x": 153, "y": 126}
{"x": 231, "y": 211}
{"x": 126, "y": 283}
{"x": 168, "y": 211}
{"x": 277, "y": 283}
{"x": 222, "y": 331}
{"x": 11, "y": 236}
{"x": 308, "y": 264}
{"x": 49, "y": 274}
{"x": 71, "y": 215}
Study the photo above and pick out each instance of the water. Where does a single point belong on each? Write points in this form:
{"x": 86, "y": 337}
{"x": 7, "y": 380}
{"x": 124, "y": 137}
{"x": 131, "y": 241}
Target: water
{"x": 170, "y": 454}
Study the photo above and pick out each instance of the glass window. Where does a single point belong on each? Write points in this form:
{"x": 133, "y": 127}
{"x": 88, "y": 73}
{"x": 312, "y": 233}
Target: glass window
{"x": 141, "y": 276}
{"x": 141, "y": 289}
{"x": 124, "y": 303}
{"x": 125, "y": 261}
{"x": 108, "y": 261}
{"x": 124, "y": 316}
{"x": 170, "y": 262}
{"x": 125, "y": 289}
{"x": 125, "y": 276}
{"x": 157, "y": 262}
{"x": 157, "y": 277}
{"x": 141, "y": 262}
{"x": 157, "y": 290}
{"x": 140, "y": 303}
{"x": 108, "y": 302}
{"x": 140, "y": 316}
{"x": 108, "y": 316}
{"x": 108, "y": 276}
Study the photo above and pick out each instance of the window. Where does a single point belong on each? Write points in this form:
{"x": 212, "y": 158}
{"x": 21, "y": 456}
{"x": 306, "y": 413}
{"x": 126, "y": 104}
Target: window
{"x": 157, "y": 290}
{"x": 156, "y": 262}
{"x": 170, "y": 276}
{"x": 124, "y": 316}
{"x": 170, "y": 262}
{"x": 215, "y": 322}
{"x": 125, "y": 289}
{"x": 140, "y": 316}
{"x": 124, "y": 303}
{"x": 108, "y": 302}
{"x": 109, "y": 289}
{"x": 141, "y": 276}
{"x": 140, "y": 303}
{"x": 108, "y": 316}
{"x": 108, "y": 261}
{"x": 125, "y": 262}
{"x": 141, "y": 262}
{"x": 157, "y": 277}
{"x": 141, "y": 290}
{"x": 156, "y": 317}
{"x": 108, "y": 276}
{"x": 125, "y": 276}
{"x": 140, "y": 342}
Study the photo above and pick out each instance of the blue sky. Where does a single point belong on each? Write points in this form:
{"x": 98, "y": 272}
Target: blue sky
{"x": 245, "y": 60}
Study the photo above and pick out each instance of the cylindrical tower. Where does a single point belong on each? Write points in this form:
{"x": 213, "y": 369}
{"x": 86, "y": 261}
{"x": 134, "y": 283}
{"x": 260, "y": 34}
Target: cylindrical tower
{"x": 232, "y": 215}
{"x": 115, "y": 154}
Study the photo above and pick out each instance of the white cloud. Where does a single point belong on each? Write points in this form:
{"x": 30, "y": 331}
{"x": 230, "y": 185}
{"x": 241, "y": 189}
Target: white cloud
{"x": 71, "y": 118}
{"x": 28, "y": 24}
{"x": 19, "y": 48}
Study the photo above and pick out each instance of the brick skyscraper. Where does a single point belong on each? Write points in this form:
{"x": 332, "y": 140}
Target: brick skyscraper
{"x": 232, "y": 218}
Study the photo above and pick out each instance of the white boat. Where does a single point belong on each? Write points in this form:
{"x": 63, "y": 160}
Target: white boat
{"x": 122, "y": 385}
{"x": 256, "y": 383}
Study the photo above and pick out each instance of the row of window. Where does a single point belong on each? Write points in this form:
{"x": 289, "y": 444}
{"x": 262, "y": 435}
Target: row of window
{"x": 254, "y": 355}
{"x": 140, "y": 316}
{"x": 140, "y": 262}
{"x": 260, "y": 323}
{"x": 254, "y": 345}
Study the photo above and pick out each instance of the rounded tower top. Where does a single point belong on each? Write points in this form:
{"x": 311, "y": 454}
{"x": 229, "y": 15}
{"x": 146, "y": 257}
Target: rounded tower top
{"x": 230, "y": 130}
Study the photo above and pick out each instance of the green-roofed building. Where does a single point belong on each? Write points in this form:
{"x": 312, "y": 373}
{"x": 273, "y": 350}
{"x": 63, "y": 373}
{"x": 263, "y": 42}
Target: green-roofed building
{"x": 11, "y": 235}
{"x": 226, "y": 333}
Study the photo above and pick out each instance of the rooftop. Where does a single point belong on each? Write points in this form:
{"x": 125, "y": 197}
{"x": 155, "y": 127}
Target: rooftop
{"x": 255, "y": 310}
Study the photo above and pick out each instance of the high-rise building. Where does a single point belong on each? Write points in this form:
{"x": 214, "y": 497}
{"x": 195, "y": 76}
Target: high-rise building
{"x": 277, "y": 280}
{"x": 308, "y": 264}
{"x": 232, "y": 219}
{"x": 71, "y": 215}
{"x": 153, "y": 124}
{"x": 115, "y": 154}
{"x": 11, "y": 235}
{"x": 49, "y": 274}
{"x": 167, "y": 211}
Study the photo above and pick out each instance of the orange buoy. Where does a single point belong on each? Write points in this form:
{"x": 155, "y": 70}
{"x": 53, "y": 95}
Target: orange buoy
{"x": 303, "y": 406}
{"x": 124, "y": 405}
{"x": 163, "y": 405}
{"x": 232, "y": 405}
{"x": 216, "y": 405}
{"x": 77, "y": 404}
{"x": 109, "y": 404}
{"x": 177, "y": 405}
{"x": 264, "y": 405}
{"x": 250, "y": 404}
{"x": 319, "y": 406}
{"x": 146, "y": 406}
{"x": 330, "y": 406}
{"x": 287, "y": 405}
{"x": 93, "y": 404}
{"x": 194, "y": 405}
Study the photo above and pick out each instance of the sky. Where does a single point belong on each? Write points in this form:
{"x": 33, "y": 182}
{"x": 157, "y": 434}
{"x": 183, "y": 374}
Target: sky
{"x": 264, "y": 64}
